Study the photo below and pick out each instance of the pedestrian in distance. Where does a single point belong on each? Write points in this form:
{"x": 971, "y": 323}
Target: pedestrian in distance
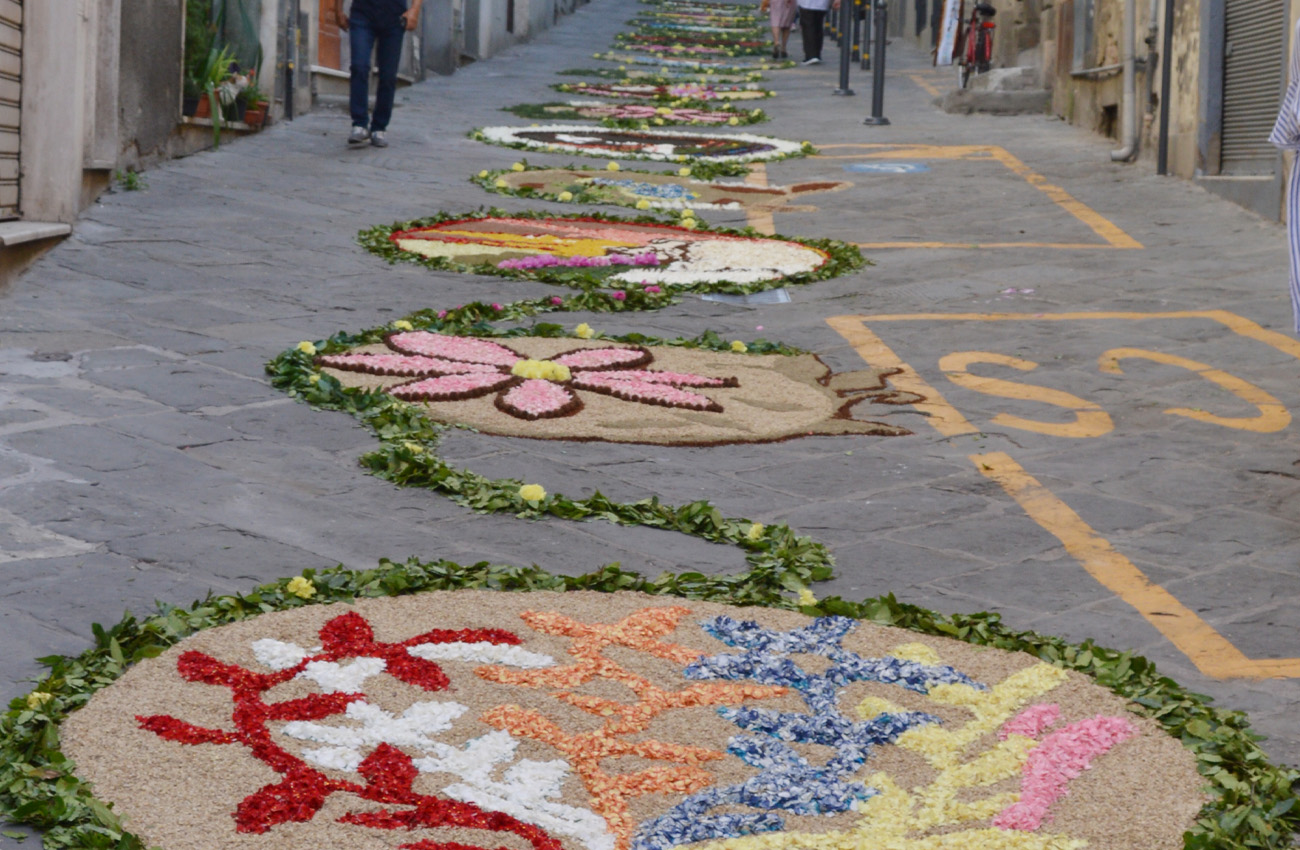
{"x": 377, "y": 26}
{"x": 1286, "y": 136}
{"x": 812, "y": 22}
{"x": 781, "y": 15}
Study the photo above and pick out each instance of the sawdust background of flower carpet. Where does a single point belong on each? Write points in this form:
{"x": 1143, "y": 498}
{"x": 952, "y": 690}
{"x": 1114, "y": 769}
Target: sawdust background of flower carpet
{"x": 778, "y": 398}
{"x": 1140, "y": 796}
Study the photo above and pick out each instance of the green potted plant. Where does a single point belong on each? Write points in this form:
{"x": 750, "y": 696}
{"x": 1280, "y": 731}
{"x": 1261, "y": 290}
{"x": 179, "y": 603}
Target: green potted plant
{"x": 215, "y": 73}
{"x": 200, "y": 33}
{"x": 255, "y": 102}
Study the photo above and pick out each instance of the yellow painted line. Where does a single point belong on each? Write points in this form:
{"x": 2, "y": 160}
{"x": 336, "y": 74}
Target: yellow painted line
{"x": 1110, "y": 232}
{"x": 925, "y": 84}
{"x": 1213, "y": 654}
{"x": 945, "y": 418}
{"x": 1089, "y": 419}
{"x": 763, "y": 222}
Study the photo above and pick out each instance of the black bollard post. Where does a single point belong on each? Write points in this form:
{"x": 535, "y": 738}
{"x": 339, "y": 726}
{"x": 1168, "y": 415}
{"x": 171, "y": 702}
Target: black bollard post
{"x": 867, "y": 46}
{"x": 846, "y": 46}
{"x": 877, "y": 117}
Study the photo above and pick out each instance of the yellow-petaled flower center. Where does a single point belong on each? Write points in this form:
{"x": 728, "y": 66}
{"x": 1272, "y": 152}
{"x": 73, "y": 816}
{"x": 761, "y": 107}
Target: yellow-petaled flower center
{"x": 546, "y": 370}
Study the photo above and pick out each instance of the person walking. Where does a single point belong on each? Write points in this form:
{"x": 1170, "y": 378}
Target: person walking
{"x": 781, "y": 16}
{"x": 376, "y": 26}
{"x": 812, "y": 22}
{"x": 1286, "y": 136}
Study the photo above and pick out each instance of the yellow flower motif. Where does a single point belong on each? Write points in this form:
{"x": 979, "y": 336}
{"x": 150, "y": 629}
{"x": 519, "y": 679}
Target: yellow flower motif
{"x": 500, "y": 184}
{"x": 688, "y": 213}
{"x": 917, "y": 652}
{"x": 545, "y": 370}
{"x": 532, "y": 492}
{"x": 413, "y": 447}
{"x": 659, "y": 122}
{"x": 733, "y": 121}
{"x": 663, "y": 110}
{"x": 565, "y": 196}
{"x": 584, "y": 331}
{"x": 755, "y": 531}
{"x": 314, "y": 379}
{"x": 643, "y": 204}
{"x": 518, "y": 166}
{"x": 403, "y": 325}
{"x": 613, "y": 166}
{"x": 36, "y": 699}
{"x": 301, "y": 587}
{"x": 738, "y": 346}
{"x": 483, "y": 174}
{"x": 683, "y": 172}
{"x": 690, "y": 223}
{"x": 306, "y": 347}
{"x": 806, "y": 597}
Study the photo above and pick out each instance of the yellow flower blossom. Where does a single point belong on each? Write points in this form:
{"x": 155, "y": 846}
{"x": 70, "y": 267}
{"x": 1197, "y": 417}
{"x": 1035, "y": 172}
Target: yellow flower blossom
{"x": 806, "y": 597}
{"x": 413, "y": 447}
{"x": 733, "y": 121}
{"x": 301, "y": 587}
{"x": 683, "y": 172}
{"x": 755, "y": 531}
{"x": 518, "y": 166}
{"x": 36, "y": 699}
{"x": 565, "y": 196}
{"x": 482, "y": 174}
{"x": 918, "y": 652}
{"x": 613, "y": 166}
{"x": 690, "y": 223}
{"x": 306, "y": 347}
{"x": 738, "y": 346}
{"x": 643, "y": 204}
{"x": 659, "y": 122}
{"x": 501, "y": 184}
{"x": 584, "y": 331}
{"x": 546, "y": 370}
{"x": 314, "y": 378}
{"x": 403, "y": 325}
{"x": 532, "y": 492}
{"x": 663, "y": 110}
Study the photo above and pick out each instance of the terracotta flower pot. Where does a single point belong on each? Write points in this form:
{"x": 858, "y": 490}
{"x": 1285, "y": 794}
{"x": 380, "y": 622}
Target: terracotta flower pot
{"x": 204, "y": 108}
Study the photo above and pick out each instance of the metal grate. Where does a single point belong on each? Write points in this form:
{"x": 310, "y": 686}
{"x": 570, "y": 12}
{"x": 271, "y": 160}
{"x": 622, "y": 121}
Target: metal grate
{"x": 11, "y": 88}
{"x": 1254, "y": 64}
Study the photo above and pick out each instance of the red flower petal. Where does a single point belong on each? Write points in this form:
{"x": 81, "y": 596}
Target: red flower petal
{"x": 390, "y": 773}
{"x": 311, "y": 707}
{"x": 295, "y": 799}
{"x": 347, "y": 633}
{"x": 499, "y": 636}
{"x": 420, "y": 672}
{"x": 172, "y": 729}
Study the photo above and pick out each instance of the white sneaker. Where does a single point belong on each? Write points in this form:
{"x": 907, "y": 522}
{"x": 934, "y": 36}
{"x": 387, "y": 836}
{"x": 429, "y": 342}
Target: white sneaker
{"x": 358, "y": 137}
{"x": 379, "y": 139}
{"x": 815, "y": 60}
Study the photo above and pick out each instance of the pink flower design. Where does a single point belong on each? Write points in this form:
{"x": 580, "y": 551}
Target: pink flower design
{"x": 1031, "y": 722}
{"x": 1061, "y": 757}
{"x": 454, "y": 368}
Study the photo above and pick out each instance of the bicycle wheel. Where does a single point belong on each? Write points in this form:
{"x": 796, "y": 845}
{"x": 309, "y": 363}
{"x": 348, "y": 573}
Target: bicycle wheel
{"x": 982, "y": 51}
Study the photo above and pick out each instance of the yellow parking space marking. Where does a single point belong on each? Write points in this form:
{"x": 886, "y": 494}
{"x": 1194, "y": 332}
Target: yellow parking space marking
{"x": 1113, "y": 237}
{"x": 1273, "y": 415}
{"x": 1089, "y": 419}
{"x": 925, "y": 84}
{"x": 1212, "y": 653}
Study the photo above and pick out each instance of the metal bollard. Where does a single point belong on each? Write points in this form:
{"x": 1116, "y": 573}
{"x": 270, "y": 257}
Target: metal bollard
{"x": 877, "y": 117}
{"x": 867, "y": 46}
{"x": 846, "y": 46}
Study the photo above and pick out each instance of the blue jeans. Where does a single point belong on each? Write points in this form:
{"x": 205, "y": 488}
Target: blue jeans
{"x": 386, "y": 41}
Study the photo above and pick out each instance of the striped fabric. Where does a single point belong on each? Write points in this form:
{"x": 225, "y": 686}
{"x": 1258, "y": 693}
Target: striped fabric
{"x": 1286, "y": 135}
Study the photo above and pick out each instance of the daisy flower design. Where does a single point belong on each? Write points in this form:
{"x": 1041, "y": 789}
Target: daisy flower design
{"x": 455, "y": 368}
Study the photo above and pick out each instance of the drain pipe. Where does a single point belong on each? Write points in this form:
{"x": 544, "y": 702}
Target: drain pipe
{"x": 1128, "y": 117}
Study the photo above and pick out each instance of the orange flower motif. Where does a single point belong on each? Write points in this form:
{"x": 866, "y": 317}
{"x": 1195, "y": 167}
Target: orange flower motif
{"x": 642, "y": 631}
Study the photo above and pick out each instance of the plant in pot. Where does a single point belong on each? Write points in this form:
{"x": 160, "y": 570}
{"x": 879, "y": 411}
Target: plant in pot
{"x": 214, "y": 74}
{"x": 200, "y": 34}
{"x": 255, "y": 103}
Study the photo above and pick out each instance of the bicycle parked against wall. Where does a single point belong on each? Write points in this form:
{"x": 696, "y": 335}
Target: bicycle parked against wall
{"x": 974, "y": 48}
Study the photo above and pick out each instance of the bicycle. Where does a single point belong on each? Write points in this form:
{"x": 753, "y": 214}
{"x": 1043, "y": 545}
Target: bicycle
{"x": 974, "y": 48}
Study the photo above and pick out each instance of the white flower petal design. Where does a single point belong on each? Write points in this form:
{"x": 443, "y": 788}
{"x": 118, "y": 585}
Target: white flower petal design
{"x": 334, "y": 677}
{"x": 482, "y": 653}
{"x": 277, "y": 654}
{"x": 411, "y": 730}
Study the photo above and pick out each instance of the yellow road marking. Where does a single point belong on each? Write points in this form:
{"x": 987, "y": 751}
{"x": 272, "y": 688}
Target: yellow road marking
{"x": 763, "y": 222}
{"x": 925, "y": 84}
{"x": 1213, "y": 654}
{"x": 1110, "y": 232}
{"x": 1089, "y": 419}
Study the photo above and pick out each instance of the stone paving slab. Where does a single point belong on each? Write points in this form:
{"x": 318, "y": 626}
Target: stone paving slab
{"x": 159, "y": 453}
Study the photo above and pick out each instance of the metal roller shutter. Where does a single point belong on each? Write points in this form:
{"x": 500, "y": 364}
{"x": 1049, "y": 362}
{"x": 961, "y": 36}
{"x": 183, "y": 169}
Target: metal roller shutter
{"x": 1253, "y": 66}
{"x": 11, "y": 87}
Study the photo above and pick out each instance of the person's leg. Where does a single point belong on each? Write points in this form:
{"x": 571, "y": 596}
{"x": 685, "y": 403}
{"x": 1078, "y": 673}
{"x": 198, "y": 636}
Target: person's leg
{"x": 361, "y": 38}
{"x": 388, "y": 56}
{"x": 819, "y": 31}
{"x": 806, "y": 34}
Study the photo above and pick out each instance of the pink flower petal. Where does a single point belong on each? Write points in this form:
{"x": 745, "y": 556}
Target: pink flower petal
{"x": 451, "y": 387}
{"x": 1032, "y": 721}
{"x": 405, "y": 365}
{"x": 595, "y": 359}
{"x": 681, "y": 379}
{"x": 644, "y": 392}
{"x": 462, "y": 348}
{"x": 538, "y": 399}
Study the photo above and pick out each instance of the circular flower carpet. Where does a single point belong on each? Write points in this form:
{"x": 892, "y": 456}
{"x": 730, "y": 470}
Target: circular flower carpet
{"x": 471, "y": 719}
{"x": 669, "y": 145}
{"x": 578, "y": 389}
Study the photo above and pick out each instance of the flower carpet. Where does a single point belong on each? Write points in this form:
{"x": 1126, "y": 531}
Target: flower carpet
{"x": 639, "y": 115}
{"x": 648, "y": 189}
{"x": 438, "y": 706}
{"x": 582, "y": 720}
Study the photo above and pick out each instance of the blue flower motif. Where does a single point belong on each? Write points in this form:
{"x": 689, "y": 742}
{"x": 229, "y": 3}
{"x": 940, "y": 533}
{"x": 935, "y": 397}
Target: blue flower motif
{"x": 668, "y": 191}
{"x": 786, "y": 780}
